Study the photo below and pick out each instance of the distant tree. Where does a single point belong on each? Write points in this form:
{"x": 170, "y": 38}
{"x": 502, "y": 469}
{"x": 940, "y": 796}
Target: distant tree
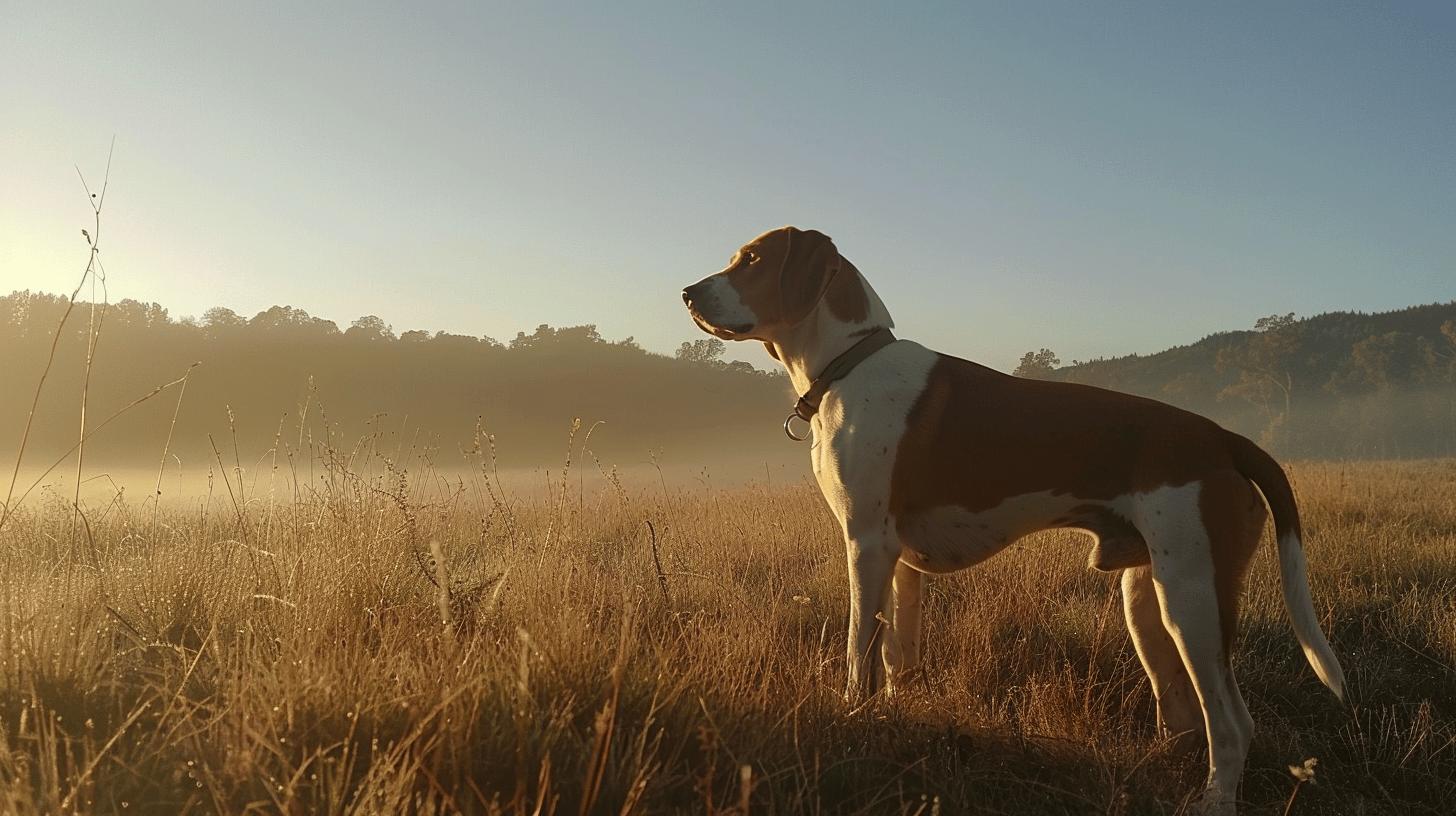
{"x": 1441, "y": 363}
{"x": 288, "y": 321}
{"x": 1038, "y": 365}
{"x": 370, "y": 327}
{"x": 708, "y": 351}
{"x": 446, "y": 339}
{"x": 1381, "y": 381}
{"x": 1184, "y": 389}
{"x": 1379, "y": 363}
{"x": 545, "y": 335}
{"x": 1442, "y": 353}
{"x": 221, "y": 317}
{"x": 135, "y": 314}
{"x": 31, "y": 314}
{"x": 1265, "y": 364}
{"x": 415, "y": 336}
{"x": 586, "y": 334}
{"x": 10, "y": 306}
{"x": 525, "y": 341}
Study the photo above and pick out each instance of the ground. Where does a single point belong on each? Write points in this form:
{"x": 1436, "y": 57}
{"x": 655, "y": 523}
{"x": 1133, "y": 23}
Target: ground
{"x": 284, "y": 646}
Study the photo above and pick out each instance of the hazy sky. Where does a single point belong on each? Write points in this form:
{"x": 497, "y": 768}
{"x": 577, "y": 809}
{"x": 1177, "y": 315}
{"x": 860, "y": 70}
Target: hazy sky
{"x": 1099, "y": 178}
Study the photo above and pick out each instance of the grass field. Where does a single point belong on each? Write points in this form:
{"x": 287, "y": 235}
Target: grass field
{"x": 300, "y": 648}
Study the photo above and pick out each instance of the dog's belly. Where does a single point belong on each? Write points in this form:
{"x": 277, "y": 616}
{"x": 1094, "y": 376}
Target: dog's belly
{"x": 949, "y": 538}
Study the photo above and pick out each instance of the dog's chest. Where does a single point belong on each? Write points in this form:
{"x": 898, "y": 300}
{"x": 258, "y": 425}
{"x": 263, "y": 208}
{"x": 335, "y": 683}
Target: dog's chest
{"x": 858, "y": 429}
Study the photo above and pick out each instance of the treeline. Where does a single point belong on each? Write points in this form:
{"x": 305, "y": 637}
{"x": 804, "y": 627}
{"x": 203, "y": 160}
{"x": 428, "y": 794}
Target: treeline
{"x": 1332, "y": 386}
{"x": 1336, "y": 385}
{"x": 284, "y": 374}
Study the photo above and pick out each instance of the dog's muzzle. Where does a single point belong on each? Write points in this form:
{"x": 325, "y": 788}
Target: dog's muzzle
{"x": 699, "y": 302}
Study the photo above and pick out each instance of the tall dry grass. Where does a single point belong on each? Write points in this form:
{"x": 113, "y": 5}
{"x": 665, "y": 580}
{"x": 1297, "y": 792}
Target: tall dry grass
{"x": 351, "y": 632}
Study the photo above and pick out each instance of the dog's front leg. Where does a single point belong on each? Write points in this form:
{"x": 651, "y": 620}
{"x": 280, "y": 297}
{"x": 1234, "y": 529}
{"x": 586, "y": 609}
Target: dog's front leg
{"x": 872, "y": 560}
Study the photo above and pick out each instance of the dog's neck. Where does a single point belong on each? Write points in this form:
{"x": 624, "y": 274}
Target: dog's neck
{"x": 807, "y": 348}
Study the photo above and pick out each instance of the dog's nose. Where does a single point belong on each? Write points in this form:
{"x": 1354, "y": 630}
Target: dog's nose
{"x": 687, "y": 298}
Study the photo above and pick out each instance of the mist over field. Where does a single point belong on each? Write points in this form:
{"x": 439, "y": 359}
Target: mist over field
{"x": 266, "y": 389}
{"x": 269, "y": 388}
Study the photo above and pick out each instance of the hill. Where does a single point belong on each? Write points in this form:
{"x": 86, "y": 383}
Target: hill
{"x": 1335, "y": 385}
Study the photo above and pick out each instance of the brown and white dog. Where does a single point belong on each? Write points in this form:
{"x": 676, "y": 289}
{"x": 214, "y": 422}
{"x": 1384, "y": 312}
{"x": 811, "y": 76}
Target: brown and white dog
{"x": 931, "y": 464}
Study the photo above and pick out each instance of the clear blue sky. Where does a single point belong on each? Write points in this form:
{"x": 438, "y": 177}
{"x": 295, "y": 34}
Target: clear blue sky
{"x": 1098, "y": 178}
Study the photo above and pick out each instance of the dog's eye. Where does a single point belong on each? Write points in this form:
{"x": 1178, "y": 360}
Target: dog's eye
{"x": 750, "y": 257}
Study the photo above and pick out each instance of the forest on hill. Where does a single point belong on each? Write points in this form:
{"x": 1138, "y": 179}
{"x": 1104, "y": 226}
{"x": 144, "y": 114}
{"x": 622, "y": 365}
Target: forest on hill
{"x": 1338, "y": 385}
{"x": 1335, "y": 385}
{"x": 284, "y": 375}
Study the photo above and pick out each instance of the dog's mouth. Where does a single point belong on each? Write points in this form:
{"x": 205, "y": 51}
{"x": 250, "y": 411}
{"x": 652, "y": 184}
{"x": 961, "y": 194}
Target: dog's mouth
{"x": 737, "y": 332}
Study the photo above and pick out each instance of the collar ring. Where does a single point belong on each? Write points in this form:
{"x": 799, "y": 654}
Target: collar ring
{"x": 788, "y": 428}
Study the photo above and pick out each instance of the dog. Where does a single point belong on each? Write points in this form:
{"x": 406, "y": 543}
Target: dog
{"x": 931, "y": 464}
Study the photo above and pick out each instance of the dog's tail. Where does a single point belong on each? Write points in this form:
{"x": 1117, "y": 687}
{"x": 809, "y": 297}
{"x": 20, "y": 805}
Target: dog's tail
{"x": 1261, "y": 469}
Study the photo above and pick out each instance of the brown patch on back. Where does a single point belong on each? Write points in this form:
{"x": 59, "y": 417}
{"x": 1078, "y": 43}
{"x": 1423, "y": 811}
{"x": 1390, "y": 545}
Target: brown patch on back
{"x": 976, "y": 437}
{"x": 1234, "y": 515}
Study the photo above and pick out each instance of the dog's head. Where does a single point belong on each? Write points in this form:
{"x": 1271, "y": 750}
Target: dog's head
{"x": 773, "y": 283}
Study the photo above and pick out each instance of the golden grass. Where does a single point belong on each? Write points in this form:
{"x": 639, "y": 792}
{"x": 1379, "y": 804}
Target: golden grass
{"x": 288, "y": 650}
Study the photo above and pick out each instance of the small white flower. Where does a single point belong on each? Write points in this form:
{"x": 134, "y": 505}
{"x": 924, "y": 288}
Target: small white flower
{"x": 1305, "y": 772}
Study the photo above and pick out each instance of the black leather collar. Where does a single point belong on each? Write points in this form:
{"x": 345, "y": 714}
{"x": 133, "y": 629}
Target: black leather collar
{"x": 838, "y": 368}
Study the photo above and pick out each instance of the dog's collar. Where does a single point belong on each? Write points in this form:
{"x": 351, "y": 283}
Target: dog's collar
{"x": 808, "y": 404}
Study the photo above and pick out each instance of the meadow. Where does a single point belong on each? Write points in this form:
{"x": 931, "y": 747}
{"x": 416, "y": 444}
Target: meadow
{"x": 356, "y": 632}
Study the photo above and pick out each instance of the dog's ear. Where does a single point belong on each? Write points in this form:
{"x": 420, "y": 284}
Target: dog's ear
{"x": 771, "y": 351}
{"x": 809, "y": 266}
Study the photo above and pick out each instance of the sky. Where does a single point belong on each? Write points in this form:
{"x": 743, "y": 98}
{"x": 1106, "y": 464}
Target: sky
{"x": 1096, "y": 178}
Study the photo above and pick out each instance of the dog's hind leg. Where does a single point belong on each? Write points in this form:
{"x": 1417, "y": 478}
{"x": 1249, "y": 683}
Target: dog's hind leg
{"x": 1234, "y": 515}
{"x": 1179, "y": 541}
{"x": 1178, "y": 712}
{"x": 902, "y": 647}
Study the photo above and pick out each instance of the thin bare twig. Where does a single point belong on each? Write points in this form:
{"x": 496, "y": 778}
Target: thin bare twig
{"x": 657, "y": 562}
{"x": 8, "y": 509}
{"x": 167, "y": 446}
{"x": 93, "y": 335}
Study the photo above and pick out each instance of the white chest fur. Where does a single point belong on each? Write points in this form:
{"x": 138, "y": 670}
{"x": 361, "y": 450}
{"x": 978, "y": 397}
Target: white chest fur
{"x": 858, "y": 429}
